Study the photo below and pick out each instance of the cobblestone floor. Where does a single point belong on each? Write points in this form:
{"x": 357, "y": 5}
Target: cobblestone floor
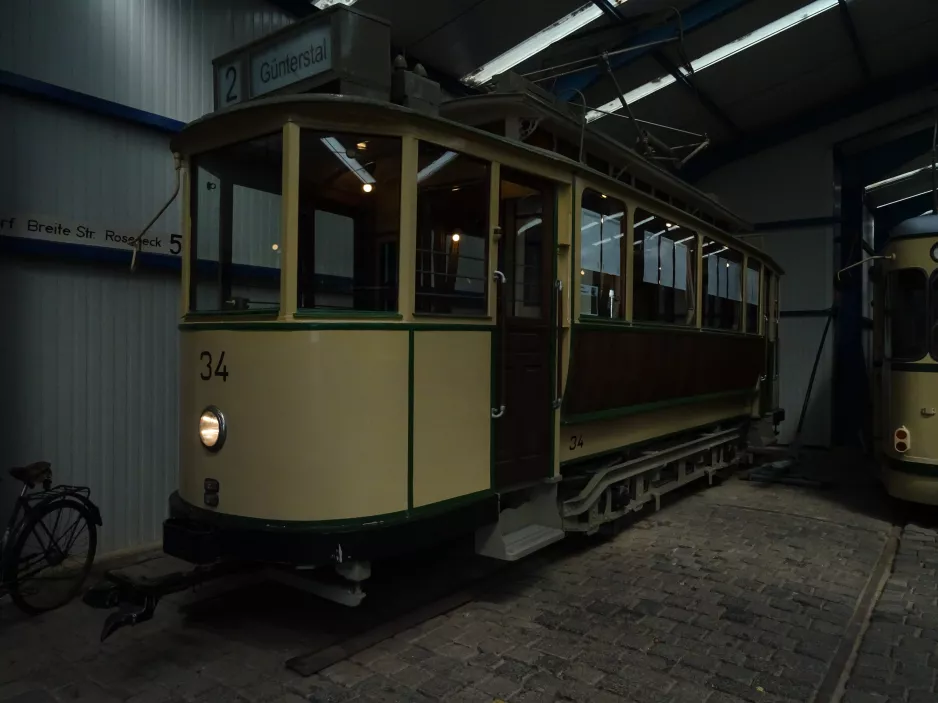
{"x": 736, "y": 593}
{"x": 898, "y": 658}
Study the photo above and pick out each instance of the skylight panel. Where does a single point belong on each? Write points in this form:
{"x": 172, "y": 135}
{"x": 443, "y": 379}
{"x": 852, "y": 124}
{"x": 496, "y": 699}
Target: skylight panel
{"x": 896, "y": 179}
{"x": 902, "y": 200}
{"x": 536, "y": 43}
{"x": 768, "y": 31}
{"x": 326, "y": 4}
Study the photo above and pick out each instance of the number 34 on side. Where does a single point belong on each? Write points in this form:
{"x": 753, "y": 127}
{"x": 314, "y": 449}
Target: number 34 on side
{"x": 209, "y": 370}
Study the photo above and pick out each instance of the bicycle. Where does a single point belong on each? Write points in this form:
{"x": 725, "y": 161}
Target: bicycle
{"x": 36, "y": 548}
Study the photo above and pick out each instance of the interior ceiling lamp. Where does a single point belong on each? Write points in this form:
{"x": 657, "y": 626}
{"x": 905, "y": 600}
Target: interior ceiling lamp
{"x": 335, "y": 146}
{"x": 536, "y": 43}
{"x": 768, "y": 31}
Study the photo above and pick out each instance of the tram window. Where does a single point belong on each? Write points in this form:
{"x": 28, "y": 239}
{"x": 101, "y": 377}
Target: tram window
{"x": 235, "y": 216}
{"x": 908, "y": 314}
{"x": 452, "y": 233}
{"x": 722, "y": 275}
{"x": 753, "y": 276}
{"x": 933, "y": 314}
{"x": 602, "y": 256}
{"x": 349, "y": 222}
{"x": 664, "y": 270}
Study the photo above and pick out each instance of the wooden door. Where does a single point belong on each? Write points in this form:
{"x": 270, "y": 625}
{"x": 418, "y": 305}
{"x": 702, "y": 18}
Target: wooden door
{"x": 523, "y": 372}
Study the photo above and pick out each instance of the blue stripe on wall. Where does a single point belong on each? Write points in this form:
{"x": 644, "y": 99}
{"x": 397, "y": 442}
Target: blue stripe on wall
{"x": 22, "y": 85}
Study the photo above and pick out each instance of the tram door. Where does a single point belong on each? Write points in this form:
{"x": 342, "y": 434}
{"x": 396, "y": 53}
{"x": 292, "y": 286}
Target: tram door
{"x": 523, "y": 374}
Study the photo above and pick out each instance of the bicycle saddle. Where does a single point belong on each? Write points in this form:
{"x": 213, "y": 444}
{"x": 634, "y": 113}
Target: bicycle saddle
{"x": 32, "y": 473}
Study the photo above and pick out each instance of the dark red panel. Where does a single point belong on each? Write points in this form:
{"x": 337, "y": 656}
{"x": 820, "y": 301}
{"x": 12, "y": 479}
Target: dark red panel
{"x": 620, "y": 367}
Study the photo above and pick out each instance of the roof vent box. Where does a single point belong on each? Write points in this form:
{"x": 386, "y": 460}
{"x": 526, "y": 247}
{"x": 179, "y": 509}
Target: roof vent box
{"x": 413, "y": 89}
{"x": 339, "y": 50}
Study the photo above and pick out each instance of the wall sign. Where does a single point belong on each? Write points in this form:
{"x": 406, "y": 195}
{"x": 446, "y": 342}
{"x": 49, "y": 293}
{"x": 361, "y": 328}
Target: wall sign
{"x": 292, "y": 60}
{"x": 67, "y": 231}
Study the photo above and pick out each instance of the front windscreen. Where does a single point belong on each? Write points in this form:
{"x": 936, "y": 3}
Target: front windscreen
{"x": 907, "y": 314}
{"x": 235, "y": 214}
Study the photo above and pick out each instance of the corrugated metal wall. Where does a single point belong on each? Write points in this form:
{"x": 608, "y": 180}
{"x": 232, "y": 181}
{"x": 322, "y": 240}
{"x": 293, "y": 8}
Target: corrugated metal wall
{"x": 154, "y": 55}
{"x": 791, "y": 182}
{"x": 88, "y": 366}
{"x": 88, "y": 351}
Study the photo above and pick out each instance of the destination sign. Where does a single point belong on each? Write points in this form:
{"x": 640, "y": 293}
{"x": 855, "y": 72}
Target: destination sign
{"x": 298, "y": 57}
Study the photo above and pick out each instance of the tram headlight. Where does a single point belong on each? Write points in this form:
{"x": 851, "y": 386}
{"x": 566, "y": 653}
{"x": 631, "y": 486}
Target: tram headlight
{"x": 212, "y": 428}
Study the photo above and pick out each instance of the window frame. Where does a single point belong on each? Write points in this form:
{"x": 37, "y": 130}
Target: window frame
{"x": 190, "y": 258}
{"x": 761, "y": 270}
{"x": 742, "y": 282}
{"x": 492, "y": 173}
{"x": 890, "y": 275}
{"x": 635, "y": 280}
{"x": 336, "y": 312}
{"x": 625, "y": 283}
{"x": 932, "y": 317}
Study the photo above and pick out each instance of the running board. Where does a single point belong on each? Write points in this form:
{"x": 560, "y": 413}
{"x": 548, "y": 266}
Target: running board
{"x": 605, "y": 477}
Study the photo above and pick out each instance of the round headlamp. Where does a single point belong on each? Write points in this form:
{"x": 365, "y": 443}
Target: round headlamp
{"x": 212, "y": 428}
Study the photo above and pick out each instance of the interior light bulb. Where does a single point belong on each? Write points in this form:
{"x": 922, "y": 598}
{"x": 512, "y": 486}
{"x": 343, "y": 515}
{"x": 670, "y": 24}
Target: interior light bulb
{"x": 456, "y": 237}
{"x": 367, "y": 187}
{"x": 275, "y": 247}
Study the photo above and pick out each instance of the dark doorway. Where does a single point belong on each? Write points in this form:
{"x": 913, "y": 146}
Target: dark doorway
{"x": 525, "y": 256}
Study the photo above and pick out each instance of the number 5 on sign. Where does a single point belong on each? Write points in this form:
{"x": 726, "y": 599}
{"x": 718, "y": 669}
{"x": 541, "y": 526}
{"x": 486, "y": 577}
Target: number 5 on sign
{"x": 228, "y": 85}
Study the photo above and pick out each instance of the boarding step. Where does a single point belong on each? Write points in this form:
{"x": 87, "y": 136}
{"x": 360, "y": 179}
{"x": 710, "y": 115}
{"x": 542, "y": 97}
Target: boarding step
{"x": 533, "y": 523}
{"x": 529, "y": 539}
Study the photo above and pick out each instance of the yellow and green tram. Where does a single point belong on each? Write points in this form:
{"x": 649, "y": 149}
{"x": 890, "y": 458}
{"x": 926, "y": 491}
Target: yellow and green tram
{"x": 905, "y": 311}
{"x": 405, "y": 319}
{"x": 397, "y": 327}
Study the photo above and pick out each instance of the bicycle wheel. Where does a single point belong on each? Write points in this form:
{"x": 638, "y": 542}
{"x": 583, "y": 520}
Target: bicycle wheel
{"x": 51, "y": 555}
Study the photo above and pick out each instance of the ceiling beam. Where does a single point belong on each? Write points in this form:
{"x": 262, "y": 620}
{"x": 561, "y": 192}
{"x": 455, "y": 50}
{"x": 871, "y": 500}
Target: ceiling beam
{"x": 851, "y": 28}
{"x": 868, "y": 96}
{"x": 699, "y": 15}
{"x": 705, "y": 100}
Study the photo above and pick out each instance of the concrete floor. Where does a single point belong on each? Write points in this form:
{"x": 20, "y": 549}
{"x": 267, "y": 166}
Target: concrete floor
{"x": 741, "y": 592}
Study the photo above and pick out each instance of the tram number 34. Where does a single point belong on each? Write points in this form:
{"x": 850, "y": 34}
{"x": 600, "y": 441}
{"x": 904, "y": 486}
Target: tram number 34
{"x": 576, "y": 442}
{"x": 219, "y": 369}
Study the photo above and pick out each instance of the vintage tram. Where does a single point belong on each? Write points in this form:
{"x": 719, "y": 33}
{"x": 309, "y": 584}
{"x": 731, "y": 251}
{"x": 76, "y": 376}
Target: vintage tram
{"x": 905, "y": 310}
{"x": 405, "y": 318}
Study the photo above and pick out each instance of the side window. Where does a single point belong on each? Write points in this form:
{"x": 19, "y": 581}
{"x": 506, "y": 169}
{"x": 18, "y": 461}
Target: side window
{"x": 235, "y": 211}
{"x": 665, "y": 269}
{"x": 452, "y": 232}
{"x": 933, "y": 314}
{"x": 723, "y": 283}
{"x": 753, "y": 282}
{"x": 907, "y": 311}
{"x": 349, "y": 220}
{"x": 601, "y": 256}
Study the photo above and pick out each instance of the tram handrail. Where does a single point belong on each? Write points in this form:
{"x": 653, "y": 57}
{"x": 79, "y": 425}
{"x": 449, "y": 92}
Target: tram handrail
{"x": 136, "y": 243}
{"x": 558, "y": 391}
{"x": 499, "y": 277}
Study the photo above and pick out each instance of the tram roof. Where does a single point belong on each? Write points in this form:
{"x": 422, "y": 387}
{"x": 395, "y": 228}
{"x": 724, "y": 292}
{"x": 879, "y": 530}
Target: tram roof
{"x": 218, "y": 128}
{"x": 921, "y": 226}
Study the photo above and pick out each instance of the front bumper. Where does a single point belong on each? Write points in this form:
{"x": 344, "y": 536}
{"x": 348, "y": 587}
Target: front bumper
{"x": 202, "y": 536}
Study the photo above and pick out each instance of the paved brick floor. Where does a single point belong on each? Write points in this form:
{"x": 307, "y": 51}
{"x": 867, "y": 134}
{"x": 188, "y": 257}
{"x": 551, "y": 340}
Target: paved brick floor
{"x": 898, "y": 659}
{"x": 736, "y": 593}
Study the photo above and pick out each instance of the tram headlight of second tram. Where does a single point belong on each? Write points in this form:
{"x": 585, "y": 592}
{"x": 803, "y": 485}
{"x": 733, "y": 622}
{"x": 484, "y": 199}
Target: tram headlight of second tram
{"x": 212, "y": 429}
